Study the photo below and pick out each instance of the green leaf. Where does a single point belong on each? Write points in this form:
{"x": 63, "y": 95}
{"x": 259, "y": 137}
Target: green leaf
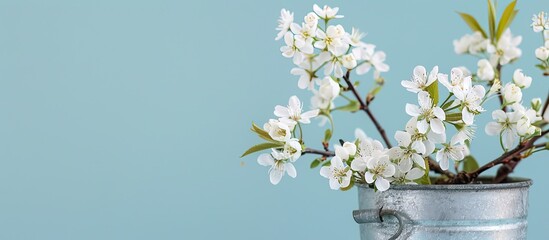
{"x": 541, "y": 66}
{"x": 327, "y": 135}
{"x": 376, "y": 90}
{"x": 506, "y": 18}
{"x": 315, "y": 163}
{"x": 472, "y": 22}
{"x": 470, "y": 164}
{"x": 433, "y": 92}
{"x": 262, "y": 146}
{"x": 326, "y": 163}
{"x": 262, "y": 133}
{"x": 425, "y": 180}
{"x": 353, "y": 106}
{"x": 492, "y": 19}
{"x": 453, "y": 117}
{"x": 447, "y": 104}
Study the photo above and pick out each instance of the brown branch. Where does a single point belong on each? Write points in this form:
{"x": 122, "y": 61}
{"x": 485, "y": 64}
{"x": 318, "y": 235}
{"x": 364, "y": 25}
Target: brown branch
{"x": 464, "y": 177}
{"x": 545, "y": 106}
{"x": 500, "y": 96}
{"x": 365, "y": 108}
{"x": 319, "y": 152}
{"x": 433, "y": 166}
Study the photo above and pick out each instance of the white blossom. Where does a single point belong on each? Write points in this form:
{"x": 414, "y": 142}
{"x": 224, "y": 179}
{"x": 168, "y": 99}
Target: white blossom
{"x": 349, "y": 61}
{"x": 407, "y": 177}
{"x": 367, "y": 149}
{"x": 291, "y": 50}
{"x": 339, "y": 174}
{"x": 466, "y": 72}
{"x": 326, "y": 12}
{"x": 332, "y": 39}
{"x": 284, "y": 22}
{"x": 311, "y": 20}
{"x": 293, "y": 111}
{"x": 471, "y": 43}
{"x": 504, "y": 126}
{"x": 278, "y": 130}
{"x": 427, "y": 113}
{"x": 379, "y": 170}
{"x": 470, "y": 99}
{"x": 303, "y": 37}
{"x": 371, "y": 58}
{"x": 335, "y": 66}
{"x": 451, "y": 151}
{"x": 292, "y": 149}
{"x": 306, "y": 70}
{"x": 511, "y": 93}
{"x": 458, "y": 80}
{"x": 485, "y": 70}
{"x": 521, "y": 80}
{"x": 407, "y": 152}
{"x": 420, "y": 81}
{"x": 465, "y": 133}
{"x": 347, "y": 150}
{"x": 355, "y": 38}
{"x": 542, "y": 53}
{"x": 506, "y": 49}
{"x": 428, "y": 139}
{"x": 279, "y": 165}
{"x": 327, "y": 92}
{"x": 528, "y": 117}
{"x": 540, "y": 22}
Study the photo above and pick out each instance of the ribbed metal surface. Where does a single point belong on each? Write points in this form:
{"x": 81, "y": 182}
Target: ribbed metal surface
{"x": 472, "y": 211}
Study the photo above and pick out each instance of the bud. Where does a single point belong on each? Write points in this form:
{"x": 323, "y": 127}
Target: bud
{"x": 536, "y": 104}
{"x": 521, "y": 80}
{"x": 542, "y": 53}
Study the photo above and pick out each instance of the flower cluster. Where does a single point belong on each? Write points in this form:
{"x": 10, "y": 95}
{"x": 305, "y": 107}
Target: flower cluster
{"x": 439, "y": 130}
{"x": 540, "y": 23}
{"x": 281, "y": 134}
{"x": 323, "y": 52}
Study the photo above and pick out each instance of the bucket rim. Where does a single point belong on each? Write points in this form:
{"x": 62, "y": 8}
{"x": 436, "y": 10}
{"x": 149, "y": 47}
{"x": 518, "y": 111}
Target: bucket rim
{"x": 514, "y": 182}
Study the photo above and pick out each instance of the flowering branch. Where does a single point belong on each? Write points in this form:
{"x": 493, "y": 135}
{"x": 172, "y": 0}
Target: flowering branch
{"x": 433, "y": 166}
{"x": 464, "y": 177}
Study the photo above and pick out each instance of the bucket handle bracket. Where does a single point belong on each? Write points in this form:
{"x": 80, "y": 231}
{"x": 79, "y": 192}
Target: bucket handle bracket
{"x": 376, "y": 216}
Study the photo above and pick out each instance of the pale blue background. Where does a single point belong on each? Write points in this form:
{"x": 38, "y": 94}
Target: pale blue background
{"x": 125, "y": 119}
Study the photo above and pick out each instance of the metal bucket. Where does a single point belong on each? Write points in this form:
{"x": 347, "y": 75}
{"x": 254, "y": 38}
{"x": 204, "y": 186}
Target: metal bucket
{"x": 472, "y": 211}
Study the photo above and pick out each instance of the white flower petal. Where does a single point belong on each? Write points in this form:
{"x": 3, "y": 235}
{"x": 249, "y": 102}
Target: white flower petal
{"x": 276, "y": 175}
{"x": 437, "y": 126}
{"x": 265, "y": 159}
{"x": 403, "y": 138}
{"x": 382, "y": 184}
{"x": 290, "y": 169}
{"x": 422, "y": 126}
{"x": 326, "y": 172}
{"x": 493, "y": 128}
{"x": 334, "y": 184}
{"x": 412, "y": 110}
{"x": 414, "y": 174}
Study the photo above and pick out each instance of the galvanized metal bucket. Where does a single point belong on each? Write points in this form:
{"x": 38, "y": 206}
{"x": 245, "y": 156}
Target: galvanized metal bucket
{"x": 472, "y": 211}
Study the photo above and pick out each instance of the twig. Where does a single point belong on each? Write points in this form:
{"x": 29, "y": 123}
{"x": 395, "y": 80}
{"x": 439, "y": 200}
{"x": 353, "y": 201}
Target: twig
{"x": 464, "y": 177}
{"x": 500, "y": 96}
{"x": 545, "y": 106}
{"x": 365, "y": 108}
{"x": 319, "y": 152}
